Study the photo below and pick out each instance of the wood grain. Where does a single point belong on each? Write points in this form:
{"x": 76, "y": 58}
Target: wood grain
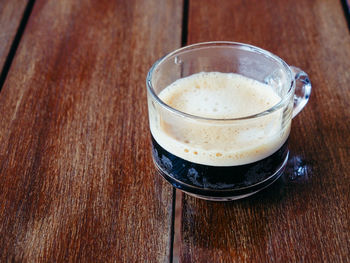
{"x": 11, "y": 12}
{"x": 304, "y": 217}
{"x": 77, "y": 182}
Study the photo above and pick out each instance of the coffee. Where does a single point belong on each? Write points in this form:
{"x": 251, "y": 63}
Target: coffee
{"x": 207, "y": 152}
{"x": 216, "y": 181}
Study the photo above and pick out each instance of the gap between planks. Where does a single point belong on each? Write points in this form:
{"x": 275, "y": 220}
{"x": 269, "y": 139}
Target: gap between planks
{"x": 26, "y": 14}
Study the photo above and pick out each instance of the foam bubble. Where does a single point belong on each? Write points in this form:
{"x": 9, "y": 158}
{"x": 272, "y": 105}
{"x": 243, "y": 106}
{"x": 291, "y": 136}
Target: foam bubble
{"x": 220, "y": 96}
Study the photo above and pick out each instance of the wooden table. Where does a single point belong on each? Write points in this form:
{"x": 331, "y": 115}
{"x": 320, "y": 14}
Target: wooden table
{"x": 77, "y": 183}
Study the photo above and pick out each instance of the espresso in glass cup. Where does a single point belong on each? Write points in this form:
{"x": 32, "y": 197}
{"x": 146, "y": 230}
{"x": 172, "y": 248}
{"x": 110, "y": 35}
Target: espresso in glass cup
{"x": 220, "y": 116}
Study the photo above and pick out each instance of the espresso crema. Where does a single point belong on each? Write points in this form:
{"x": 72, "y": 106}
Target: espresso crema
{"x": 212, "y": 141}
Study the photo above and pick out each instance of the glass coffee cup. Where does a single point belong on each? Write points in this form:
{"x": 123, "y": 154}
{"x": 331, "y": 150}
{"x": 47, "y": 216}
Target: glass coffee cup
{"x": 220, "y": 116}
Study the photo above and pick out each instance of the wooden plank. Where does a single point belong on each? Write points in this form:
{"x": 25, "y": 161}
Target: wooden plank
{"x": 305, "y": 216}
{"x": 77, "y": 180}
{"x": 11, "y": 12}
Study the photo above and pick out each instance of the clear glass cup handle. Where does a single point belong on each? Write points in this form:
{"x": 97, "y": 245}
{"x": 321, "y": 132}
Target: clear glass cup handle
{"x": 302, "y": 89}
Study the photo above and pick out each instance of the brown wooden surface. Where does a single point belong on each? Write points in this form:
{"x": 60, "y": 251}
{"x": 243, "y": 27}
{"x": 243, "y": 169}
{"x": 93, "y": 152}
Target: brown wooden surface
{"x": 77, "y": 182}
{"x": 305, "y": 216}
{"x": 11, "y": 12}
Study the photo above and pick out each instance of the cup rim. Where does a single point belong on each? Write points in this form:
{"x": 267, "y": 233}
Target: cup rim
{"x": 241, "y": 46}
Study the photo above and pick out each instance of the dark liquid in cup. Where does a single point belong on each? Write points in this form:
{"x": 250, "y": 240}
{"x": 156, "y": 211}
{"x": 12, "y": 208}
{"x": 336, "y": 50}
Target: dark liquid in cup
{"x": 187, "y": 175}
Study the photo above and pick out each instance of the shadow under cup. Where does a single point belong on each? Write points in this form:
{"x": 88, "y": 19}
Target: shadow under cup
{"x": 249, "y": 153}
